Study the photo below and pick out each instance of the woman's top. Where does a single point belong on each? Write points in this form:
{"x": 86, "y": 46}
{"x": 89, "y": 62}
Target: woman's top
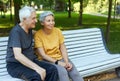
{"x": 49, "y": 42}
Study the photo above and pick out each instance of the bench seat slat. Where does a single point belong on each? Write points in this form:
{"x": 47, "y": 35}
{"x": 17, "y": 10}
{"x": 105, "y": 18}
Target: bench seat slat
{"x": 9, "y": 78}
{"x": 94, "y": 59}
{"x": 100, "y": 69}
{"x": 99, "y": 64}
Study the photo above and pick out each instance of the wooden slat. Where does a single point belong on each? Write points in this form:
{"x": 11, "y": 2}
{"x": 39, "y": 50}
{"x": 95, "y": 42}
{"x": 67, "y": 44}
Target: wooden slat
{"x": 3, "y": 39}
{"x": 4, "y": 76}
{"x": 9, "y": 78}
{"x": 81, "y": 31}
{"x": 78, "y": 54}
{"x": 3, "y": 52}
{"x": 3, "y": 48}
{"x": 3, "y": 44}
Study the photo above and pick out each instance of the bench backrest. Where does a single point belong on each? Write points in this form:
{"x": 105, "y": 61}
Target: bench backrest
{"x": 3, "y": 49}
{"x": 79, "y": 43}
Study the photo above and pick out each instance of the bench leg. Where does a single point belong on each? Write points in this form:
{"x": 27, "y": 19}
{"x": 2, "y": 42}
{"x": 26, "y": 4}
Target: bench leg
{"x": 117, "y": 71}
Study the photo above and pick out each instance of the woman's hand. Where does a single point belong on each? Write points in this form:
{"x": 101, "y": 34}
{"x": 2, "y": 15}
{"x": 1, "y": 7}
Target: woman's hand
{"x": 68, "y": 66}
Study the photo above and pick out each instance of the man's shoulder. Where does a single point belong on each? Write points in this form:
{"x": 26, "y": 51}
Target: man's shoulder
{"x": 16, "y": 27}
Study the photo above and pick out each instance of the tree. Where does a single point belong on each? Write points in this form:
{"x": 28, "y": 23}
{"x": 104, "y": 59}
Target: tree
{"x": 11, "y": 10}
{"x": 59, "y": 5}
{"x": 69, "y": 8}
{"x": 80, "y": 13}
{"x": 108, "y": 20}
{"x": 17, "y": 4}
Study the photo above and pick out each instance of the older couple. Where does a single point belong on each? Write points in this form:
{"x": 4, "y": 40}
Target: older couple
{"x": 50, "y": 62}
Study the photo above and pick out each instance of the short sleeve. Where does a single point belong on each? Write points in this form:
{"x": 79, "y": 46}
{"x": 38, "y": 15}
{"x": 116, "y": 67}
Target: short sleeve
{"x": 14, "y": 39}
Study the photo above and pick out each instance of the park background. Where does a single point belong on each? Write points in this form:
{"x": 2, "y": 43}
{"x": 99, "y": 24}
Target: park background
{"x": 69, "y": 15}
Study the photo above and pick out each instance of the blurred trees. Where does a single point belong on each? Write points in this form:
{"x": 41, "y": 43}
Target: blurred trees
{"x": 89, "y": 6}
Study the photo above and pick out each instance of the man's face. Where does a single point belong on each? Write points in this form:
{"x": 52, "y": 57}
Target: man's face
{"x": 31, "y": 21}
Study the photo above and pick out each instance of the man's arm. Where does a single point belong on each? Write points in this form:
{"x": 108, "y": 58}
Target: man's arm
{"x": 28, "y": 63}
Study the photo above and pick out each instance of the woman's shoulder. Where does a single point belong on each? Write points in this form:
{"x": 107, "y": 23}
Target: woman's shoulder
{"x": 38, "y": 32}
{"x": 57, "y": 29}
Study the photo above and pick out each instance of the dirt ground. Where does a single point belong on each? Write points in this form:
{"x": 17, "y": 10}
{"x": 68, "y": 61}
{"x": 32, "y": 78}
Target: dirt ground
{"x": 101, "y": 77}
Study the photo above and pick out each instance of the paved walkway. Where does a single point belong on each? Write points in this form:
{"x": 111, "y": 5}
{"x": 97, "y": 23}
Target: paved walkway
{"x": 98, "y": 14}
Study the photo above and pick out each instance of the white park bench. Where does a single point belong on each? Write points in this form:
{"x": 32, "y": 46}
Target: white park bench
{"x": 85, "y": 48}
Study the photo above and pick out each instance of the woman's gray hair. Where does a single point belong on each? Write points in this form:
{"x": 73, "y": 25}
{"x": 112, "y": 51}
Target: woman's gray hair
{"x": 44, "y": 14}
{"x": 25, "y": 12}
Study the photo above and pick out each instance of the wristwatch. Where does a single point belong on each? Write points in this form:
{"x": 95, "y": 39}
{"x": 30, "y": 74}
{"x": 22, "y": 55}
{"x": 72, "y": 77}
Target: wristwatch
{"x": 56, "y": 62}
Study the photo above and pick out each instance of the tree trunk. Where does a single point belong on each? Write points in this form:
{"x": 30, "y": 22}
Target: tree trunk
{"x": 59, "y": 5}
{"x": 108, "y": 21}
{"x": 69, "y": 8}
{"x": 114, "y": 9}
{"x": 17, "y": 4}
{"x": 11, "y": 10}
{"x": 80, "y": 13}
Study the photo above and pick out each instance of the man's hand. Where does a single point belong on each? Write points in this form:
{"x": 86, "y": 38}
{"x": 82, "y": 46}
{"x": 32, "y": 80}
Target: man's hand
{"x": 41, "y": 72}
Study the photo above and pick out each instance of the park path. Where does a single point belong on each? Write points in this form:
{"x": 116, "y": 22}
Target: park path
{"x": 99, "y": 14}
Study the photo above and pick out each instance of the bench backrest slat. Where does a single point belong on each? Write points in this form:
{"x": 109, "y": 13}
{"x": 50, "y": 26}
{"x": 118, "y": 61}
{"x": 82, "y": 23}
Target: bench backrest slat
{"x": 83, "y": 42}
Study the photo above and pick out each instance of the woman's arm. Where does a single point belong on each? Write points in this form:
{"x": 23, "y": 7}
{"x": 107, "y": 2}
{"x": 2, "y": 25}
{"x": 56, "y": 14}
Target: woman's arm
{"x": 63, "y": 50}
{"x": 48, "y": 58}
{"x": 45, "y": 56}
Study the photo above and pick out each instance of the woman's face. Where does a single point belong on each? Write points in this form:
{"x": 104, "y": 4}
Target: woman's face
{"x": 48, "y": 22}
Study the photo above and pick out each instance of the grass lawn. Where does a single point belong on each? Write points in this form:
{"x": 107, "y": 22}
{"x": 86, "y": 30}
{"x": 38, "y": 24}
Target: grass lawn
{"x": 65, "y": 23}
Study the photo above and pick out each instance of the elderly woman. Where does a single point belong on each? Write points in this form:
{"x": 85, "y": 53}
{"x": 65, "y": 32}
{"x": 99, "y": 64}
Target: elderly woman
{"x": 49, "y": 42}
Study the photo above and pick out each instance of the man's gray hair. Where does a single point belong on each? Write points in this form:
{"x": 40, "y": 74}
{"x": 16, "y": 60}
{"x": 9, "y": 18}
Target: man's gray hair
{"x": 44, "y": 14}
{"x": 25, "y": 12}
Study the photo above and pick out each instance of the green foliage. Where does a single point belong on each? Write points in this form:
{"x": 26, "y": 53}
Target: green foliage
{"x": 64, "y": 23}
{"x": 92, "y": 6}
